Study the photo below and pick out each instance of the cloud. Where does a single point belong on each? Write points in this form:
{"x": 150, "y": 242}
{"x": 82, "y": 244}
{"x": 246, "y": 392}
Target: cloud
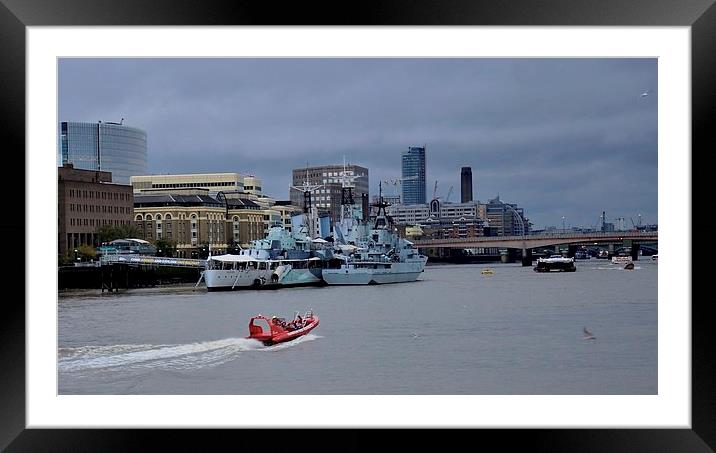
{"x": 559, "y": 137}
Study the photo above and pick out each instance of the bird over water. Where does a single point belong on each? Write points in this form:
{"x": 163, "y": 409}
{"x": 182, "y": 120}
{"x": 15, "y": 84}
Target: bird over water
{"x": 588, "y": 335}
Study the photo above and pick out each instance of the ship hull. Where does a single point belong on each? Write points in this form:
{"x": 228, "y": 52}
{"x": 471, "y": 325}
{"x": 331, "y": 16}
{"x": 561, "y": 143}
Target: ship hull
{"x": 227, "y": 280}
{"x": 398, "y": 273}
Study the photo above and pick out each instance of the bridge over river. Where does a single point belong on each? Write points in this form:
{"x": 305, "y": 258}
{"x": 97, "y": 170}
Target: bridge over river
{"x": 528, "y": 242}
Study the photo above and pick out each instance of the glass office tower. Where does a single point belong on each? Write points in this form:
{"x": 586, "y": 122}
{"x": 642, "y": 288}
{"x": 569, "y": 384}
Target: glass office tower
{"x": 111, "y": 147}
{"x": 413, "y": 165}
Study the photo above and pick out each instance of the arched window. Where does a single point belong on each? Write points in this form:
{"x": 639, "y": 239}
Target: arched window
{"x": 193, "y": 216}
{"x": 139, "y": 217}
{"x": 168, "y": 217}
{"x": 148, "y": 217}
{"x": 158, "y": 217}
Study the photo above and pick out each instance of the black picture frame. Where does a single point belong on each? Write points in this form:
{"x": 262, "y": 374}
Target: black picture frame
{"x": 16, "y": 15}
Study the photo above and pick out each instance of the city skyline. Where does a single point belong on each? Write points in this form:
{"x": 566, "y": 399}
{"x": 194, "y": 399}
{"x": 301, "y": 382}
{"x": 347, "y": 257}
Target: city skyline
{"x": 560, "y": 137}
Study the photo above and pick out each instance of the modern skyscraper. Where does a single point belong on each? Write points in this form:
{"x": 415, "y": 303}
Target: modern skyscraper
{"x": 413, "y": 166}
{"x": 111, "y": 147}
{"x": 466, "y": 184}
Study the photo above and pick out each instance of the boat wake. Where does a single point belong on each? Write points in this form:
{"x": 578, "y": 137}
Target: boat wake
{"x": 615, "y": 268}
{"x": 171, "y": 357}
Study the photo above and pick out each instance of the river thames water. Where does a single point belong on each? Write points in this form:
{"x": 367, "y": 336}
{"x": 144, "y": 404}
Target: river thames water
{"x": 454, "y": 331}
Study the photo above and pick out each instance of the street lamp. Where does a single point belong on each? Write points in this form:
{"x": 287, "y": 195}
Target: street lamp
{"x": 77, "y": 258}
{"x": 563, "y": 230}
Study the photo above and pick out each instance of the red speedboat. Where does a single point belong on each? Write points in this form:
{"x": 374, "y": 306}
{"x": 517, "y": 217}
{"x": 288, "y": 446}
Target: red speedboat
{"x": 277, "y": 330}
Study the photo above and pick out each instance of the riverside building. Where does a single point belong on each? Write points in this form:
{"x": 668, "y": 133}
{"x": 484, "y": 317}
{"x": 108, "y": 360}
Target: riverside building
{"x": 87, "y": 200}
{"x": 506, "y": 219}
{"x": 442, "y": 220}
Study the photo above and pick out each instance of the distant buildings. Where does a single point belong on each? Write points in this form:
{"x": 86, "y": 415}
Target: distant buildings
{"x": 87, "y": 200}
{"x": 506, "y": 219}
{"x": 442, "y": 220}
{"x": 459, "y": 220}
{"x": 466, "y": 184}
{"x": 327, "y": 198}
{"x": 413, "y": 170}
{"x": 112, "y": 147}
{"x": 213, "y": 182}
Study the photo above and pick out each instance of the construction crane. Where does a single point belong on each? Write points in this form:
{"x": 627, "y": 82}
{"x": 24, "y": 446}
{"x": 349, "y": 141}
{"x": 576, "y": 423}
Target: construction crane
{"x": 447, "y": 198}
{"x": 636, "y": 226}
{"x": 395, "y": 182}
{"x": 435, "y": 190}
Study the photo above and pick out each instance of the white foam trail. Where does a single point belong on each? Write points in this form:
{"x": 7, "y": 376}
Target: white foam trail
{"x": 187, "y": 356}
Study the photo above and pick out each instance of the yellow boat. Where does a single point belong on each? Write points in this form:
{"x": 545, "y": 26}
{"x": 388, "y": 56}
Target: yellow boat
{"x": 487, "y": 272}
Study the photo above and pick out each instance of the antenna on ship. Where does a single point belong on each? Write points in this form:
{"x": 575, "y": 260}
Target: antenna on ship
{"x": 381, "y": 205}
{"x": 308, "y": 208}
{"x": 347, "y": 186}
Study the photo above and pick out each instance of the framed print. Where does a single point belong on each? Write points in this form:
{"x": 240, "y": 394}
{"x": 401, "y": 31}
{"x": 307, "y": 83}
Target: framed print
{"x": 172, "y": 365}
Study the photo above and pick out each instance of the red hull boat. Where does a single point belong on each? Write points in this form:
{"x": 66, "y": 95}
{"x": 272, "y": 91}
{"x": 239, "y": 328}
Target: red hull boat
{"x": 276, "y": 330}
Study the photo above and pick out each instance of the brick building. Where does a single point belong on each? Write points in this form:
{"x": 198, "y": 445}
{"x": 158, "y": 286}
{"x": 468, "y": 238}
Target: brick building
{"x": 87, "y": 200}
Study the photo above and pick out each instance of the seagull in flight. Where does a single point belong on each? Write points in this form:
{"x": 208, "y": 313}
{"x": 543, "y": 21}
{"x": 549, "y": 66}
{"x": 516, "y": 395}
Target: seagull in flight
{"x": 646, "y": 93}
{"x": 588, "y": 335}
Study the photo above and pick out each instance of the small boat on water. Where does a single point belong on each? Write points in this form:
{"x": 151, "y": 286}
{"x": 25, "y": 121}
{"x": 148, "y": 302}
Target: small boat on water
{"x": 655, "y": 257}
{"x": 275, "y": 330}
{"x": 556, "y": 263}
{"x": 621, "y": 259}
{"x": 487, "y": 271}
{"x": 629, "y": 266}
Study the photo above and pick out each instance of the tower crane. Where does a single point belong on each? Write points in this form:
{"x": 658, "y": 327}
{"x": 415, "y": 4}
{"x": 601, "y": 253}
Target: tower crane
{"x": 395, "y": 182}
{"x": 447, "y": 198}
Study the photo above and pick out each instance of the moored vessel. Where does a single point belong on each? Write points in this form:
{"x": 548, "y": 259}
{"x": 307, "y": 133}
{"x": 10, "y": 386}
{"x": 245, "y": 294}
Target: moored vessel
{"x": 373, "y": 253}
{"x": 281, "y": 259}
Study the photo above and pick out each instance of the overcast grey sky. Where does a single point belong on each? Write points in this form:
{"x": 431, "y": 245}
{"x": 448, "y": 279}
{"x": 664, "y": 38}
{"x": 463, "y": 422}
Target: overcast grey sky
{"x": 559, "y": 137}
